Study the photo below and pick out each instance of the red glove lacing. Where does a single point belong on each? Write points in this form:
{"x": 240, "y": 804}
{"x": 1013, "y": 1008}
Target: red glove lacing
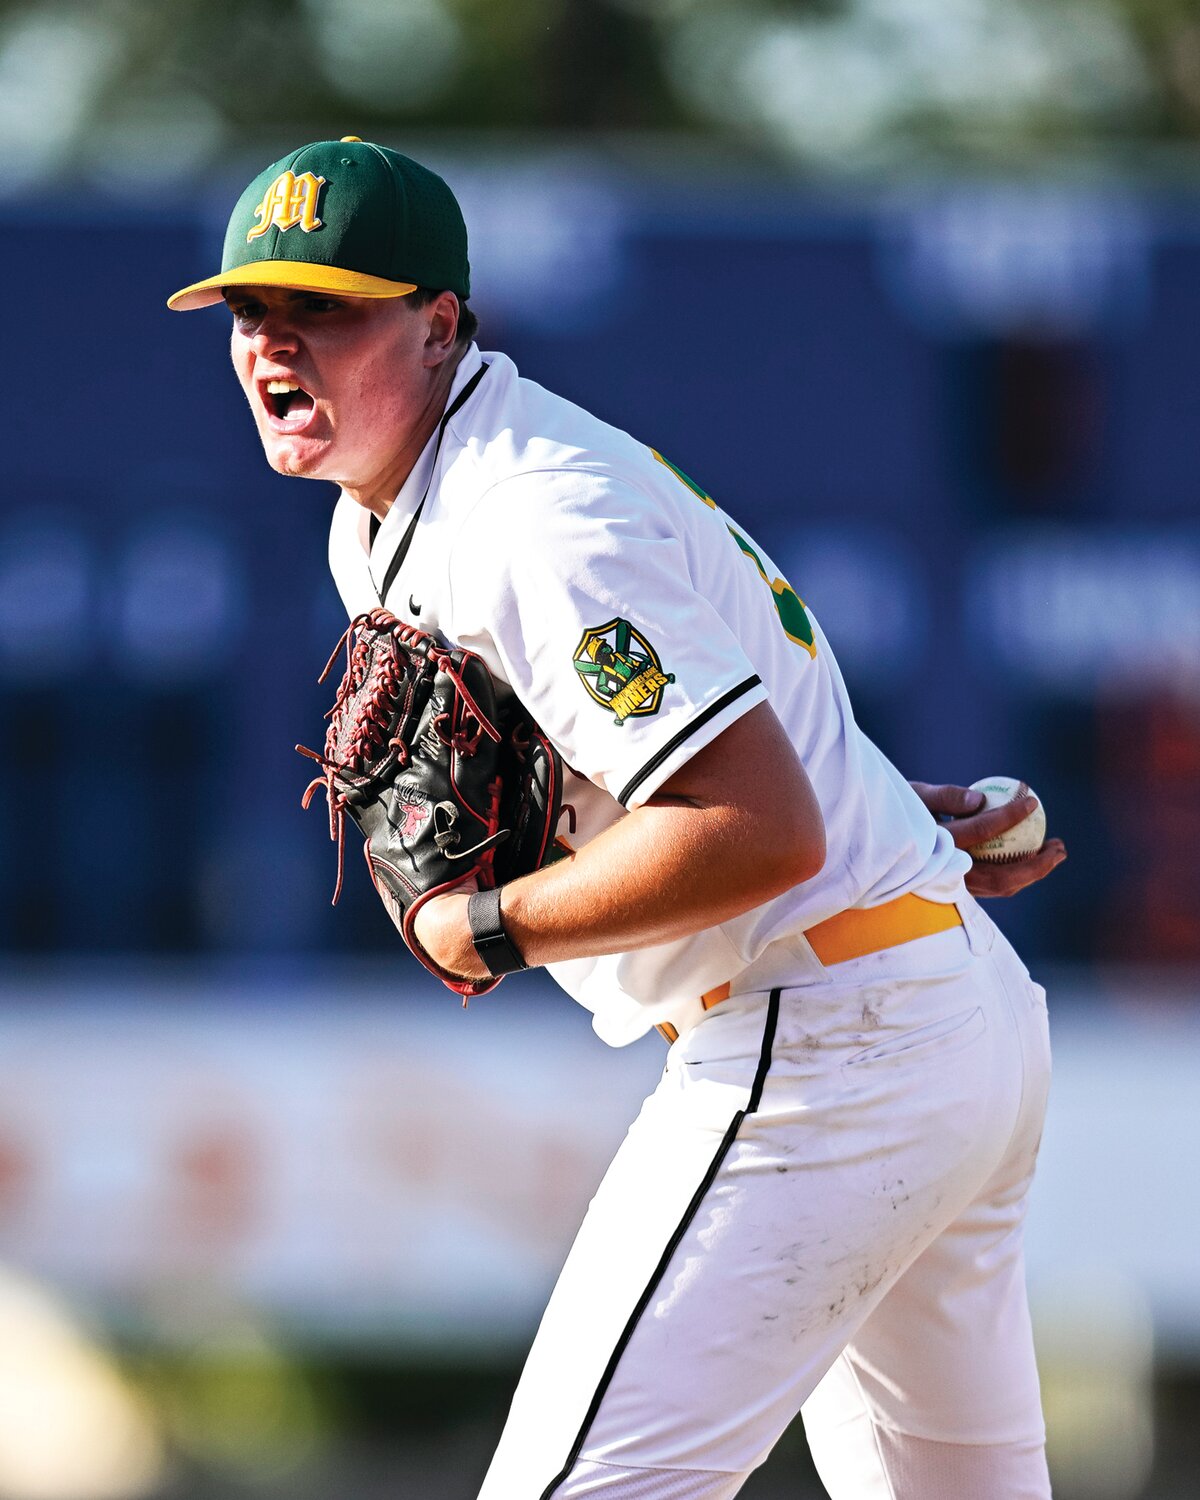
{"x": 375, "y": 707}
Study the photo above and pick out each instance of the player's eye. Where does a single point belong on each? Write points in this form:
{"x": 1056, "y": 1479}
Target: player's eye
{"x": 321, "y": 304}
{"x": 245, "y": 313}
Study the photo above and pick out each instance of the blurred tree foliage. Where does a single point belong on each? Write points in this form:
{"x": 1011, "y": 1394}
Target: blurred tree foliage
{"x": 848, "y": 84}
{"x": 472, "y": 63}
{"x": 1168, "y": 33}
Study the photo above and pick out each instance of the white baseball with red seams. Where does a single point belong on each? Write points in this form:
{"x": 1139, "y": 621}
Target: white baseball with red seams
{"x": 1026, "y": 838}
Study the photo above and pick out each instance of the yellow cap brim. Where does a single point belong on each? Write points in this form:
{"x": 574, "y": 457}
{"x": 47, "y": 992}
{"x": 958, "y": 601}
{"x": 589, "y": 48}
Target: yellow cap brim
{"x": 297, "y": 275}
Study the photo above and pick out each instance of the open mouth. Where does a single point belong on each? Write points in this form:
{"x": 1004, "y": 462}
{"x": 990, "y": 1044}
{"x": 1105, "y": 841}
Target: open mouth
{"x": 289, "y": 406}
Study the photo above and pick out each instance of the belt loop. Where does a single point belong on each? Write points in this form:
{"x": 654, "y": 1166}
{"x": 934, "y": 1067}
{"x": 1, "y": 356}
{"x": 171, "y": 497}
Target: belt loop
{"x": 714, "y": 996}
{"x": 979, "y": 927}
{"x": 719, "y": 992}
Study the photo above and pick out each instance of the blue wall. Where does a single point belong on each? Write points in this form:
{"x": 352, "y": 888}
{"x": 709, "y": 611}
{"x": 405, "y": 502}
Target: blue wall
{"x": 972, "y": 449}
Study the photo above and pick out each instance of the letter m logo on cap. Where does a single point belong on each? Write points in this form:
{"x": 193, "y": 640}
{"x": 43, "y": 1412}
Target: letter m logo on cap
{"x": 289, "y": 202}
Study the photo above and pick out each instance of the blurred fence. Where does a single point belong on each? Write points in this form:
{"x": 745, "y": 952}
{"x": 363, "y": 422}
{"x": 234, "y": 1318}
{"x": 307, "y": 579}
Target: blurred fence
{"x": 352, "y": 1159}
{"x": 300, "y": 1204}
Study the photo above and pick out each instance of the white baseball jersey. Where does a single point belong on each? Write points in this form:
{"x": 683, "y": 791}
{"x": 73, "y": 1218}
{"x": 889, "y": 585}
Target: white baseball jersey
{"x": 636, "y": 621}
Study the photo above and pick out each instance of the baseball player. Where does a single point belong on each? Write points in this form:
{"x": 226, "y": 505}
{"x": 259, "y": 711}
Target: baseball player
{"x": 820, "y": 1207}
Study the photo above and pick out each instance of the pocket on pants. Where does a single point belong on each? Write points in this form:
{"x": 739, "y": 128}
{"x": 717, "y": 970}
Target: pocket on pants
{"x": 922, "y": 1045}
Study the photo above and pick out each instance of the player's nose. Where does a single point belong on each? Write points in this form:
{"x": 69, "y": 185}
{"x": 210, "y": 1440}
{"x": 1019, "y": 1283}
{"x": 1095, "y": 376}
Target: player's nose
{"x": 275, "y": 334}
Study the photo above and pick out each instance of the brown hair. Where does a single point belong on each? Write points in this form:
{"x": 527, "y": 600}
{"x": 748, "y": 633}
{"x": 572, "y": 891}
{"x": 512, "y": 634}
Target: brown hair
{"x": 468, "y": 323}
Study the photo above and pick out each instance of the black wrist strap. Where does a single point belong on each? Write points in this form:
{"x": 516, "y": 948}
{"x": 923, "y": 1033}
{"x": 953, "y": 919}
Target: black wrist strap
{"x": 492, "y": 943}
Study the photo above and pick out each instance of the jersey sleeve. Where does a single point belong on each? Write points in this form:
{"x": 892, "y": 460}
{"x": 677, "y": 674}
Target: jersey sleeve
{"x": 586, "y": 592}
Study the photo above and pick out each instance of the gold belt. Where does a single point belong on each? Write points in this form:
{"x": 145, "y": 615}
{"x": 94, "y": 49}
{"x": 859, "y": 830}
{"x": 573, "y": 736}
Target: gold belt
{"x": 857, "y": 931}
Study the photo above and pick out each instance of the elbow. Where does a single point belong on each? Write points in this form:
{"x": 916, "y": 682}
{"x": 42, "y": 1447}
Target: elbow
{"x": 797, "y": 855}
{"x": 806, "y": 836}
{"x": 808, "y": 855}
{"x": 800, "y": 840}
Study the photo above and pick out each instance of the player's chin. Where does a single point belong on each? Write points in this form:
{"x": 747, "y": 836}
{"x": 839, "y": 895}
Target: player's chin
{"x": 299, "y": 458}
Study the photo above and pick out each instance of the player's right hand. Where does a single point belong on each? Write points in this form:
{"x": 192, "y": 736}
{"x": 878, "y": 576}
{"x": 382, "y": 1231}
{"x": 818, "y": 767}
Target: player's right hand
{"x": 958, "y": 807}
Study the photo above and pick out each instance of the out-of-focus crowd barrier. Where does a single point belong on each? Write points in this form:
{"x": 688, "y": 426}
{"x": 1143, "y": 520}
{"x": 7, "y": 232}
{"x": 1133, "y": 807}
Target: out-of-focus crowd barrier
{"x": 961, "y": 418}
{"x": 394, "y": 1172}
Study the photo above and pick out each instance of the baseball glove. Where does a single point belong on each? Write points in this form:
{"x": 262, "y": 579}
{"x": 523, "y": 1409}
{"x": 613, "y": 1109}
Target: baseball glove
{"x": 448, "y": 779}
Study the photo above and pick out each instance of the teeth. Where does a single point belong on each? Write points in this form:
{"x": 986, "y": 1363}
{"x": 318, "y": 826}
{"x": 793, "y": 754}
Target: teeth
{"x": 280, "y": 387}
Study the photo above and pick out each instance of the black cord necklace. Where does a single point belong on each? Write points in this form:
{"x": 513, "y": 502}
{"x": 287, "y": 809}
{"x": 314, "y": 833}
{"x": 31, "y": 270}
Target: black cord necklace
{"x": 401, "y": 551}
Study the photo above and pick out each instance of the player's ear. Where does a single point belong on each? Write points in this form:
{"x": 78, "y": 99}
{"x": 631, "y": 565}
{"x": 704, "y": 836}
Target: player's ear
{"x": 442, "y": 313}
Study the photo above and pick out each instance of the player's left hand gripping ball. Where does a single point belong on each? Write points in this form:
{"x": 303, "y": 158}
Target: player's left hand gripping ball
{"x": 451, "y": 784}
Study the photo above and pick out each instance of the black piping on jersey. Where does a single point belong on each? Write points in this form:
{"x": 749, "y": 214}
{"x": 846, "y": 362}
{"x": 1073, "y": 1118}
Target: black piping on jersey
{"x": 689, "y": 1213}
{"x": 401, "y": 551}
{"x": 688, "y": 730}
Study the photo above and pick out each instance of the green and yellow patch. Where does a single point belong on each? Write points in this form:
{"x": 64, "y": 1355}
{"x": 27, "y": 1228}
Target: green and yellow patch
{"x": 620, "y": 670}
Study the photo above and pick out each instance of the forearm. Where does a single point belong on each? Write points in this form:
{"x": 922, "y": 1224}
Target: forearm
{"x": 663, "y": 872}
{"x": 737, "y": 827}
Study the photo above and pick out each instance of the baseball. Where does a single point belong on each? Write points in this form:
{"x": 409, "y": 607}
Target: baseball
{"x": 1029, "y": 834}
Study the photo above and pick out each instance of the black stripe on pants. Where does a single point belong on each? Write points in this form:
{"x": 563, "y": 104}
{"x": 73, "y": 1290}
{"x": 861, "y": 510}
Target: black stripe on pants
{"x": 764, "y": 1063}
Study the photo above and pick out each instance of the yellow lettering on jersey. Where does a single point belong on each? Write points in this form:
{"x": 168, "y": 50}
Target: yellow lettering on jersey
{"x": 289, "y": 203}
{"x": 633, "y": 695}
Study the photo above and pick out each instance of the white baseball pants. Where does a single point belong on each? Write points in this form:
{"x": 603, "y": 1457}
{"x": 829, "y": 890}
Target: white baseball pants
{"x": 820, "y": 1208}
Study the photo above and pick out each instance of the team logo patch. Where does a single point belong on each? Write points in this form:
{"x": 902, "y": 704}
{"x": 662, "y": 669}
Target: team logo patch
{"x": 621, "y": 670}
{"x": 289, "y": 203}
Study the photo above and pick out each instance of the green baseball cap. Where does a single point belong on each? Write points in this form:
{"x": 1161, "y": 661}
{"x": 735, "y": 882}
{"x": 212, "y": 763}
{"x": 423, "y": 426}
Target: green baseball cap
{"x": 341, "y": 216}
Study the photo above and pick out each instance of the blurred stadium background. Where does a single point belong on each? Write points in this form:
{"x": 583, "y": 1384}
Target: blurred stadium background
{"x": 913, "y": 286}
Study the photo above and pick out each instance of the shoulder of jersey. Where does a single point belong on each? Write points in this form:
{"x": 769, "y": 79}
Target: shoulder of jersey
{"x": 517, "y": 426}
